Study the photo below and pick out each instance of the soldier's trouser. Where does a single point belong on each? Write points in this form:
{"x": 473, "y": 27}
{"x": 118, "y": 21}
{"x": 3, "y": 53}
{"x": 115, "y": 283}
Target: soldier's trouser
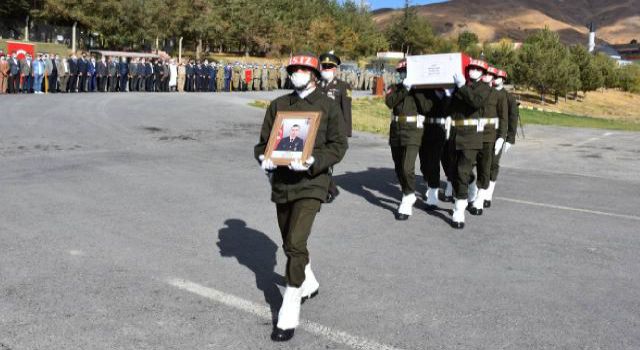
{"x": 295, "y": 220}
{"x": 404, "y": 158}
{"x": 256, "y": 84}
{"x": 432, "y": 152}
{"x": 483, "y": 164}
{"x": 463, "y": 172}
{"x": 495, "y": 166}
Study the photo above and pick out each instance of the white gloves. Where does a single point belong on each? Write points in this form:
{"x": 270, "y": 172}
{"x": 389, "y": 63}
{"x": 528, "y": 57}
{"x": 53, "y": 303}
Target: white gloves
{"x": 498, "y": 146}
{"x": 448, "y": 92}
{"x": 459, "y": 80}
{"x": 266, "y": 164}
{"x": 297, "y": 165}
{"x": 407, "y": 85}
{"x": 507, "y": 145}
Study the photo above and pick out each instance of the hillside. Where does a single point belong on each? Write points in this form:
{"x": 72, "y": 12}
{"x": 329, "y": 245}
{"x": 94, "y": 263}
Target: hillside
{"x": 616, "y": 21}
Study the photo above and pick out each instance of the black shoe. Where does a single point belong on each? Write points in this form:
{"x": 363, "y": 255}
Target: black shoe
{"x": 446, "y": 199}
{"x": 473, "y": 210}
{"x": 402, "y": 217}
{"x": 430, "y": 207}
{"x": 313, "y": 295}
{"x": 282, "y": 334}
{"x": 332, "y": 196}
{"x": 457, "y": 225}
{"x": 487, "y": 204}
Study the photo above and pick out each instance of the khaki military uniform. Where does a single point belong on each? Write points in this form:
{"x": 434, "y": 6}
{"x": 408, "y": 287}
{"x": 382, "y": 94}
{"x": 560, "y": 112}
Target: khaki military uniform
{"x": 512, "y": 128}
{"x": 257, "y": 73}
{"x": 405, "y": 132}
{"x": 495, "y": 119}
{"x": 466, "y": 111}
{"x": 435, "y": 144}
{"x": 235, "y": 77}
{"x": 298, "y": 195}
{"x": 220, "y": 79}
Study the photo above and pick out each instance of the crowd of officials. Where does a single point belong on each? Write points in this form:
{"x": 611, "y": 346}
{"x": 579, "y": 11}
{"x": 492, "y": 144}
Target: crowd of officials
{"x": 47, "y": 73}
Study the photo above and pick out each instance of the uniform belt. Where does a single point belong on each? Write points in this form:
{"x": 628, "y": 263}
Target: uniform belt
{"x": 490, "y": 120}
{"x": 405, "y": 119}
{"x": 464, "y": 122}
{"x": 469, "y": 122}
{"x": 436, "y": 120}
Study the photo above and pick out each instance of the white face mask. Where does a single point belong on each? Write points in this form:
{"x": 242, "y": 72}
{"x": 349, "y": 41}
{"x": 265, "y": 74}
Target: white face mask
{"x": 300, "y": 80}
{"x": 327, "y": 75}
{"x": 475, "y": 74}
{"x": 498, "y": 82}
{"x": 487, "y": 78}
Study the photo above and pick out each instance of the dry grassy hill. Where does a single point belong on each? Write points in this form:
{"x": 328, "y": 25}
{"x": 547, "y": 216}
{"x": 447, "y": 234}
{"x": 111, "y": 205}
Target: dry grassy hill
{"x": 616, "y": 21}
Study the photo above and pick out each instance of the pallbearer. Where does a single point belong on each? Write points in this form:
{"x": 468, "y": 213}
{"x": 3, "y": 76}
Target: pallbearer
{"x": 405, "y": 136}
{"x": 512, "y": 128}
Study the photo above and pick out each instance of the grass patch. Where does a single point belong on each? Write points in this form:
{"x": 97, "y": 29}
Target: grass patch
{"x": 371, "y": 114}
{"x": 561, "y": 119}
{"x": 260, "y": 104}
{"x": 51, "y": 48}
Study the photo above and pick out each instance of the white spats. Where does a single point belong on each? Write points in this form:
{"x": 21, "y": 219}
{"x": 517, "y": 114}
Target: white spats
{"x": 310, "y": 284}
{"x": 473, "y": 192}
{"x": 289, "y": 315}
{"x": 458, "y": 210}
{"x": 432, "y": 197}
{"x": 489, "y": 194}
{"x": 448, "y": 191}
{"x": 406, "y": 206}
{"x": 479, "y": 202}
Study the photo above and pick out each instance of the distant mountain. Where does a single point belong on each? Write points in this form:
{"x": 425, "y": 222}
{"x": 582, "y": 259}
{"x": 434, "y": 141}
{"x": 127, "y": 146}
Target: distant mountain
{"x": 616, "y": 21}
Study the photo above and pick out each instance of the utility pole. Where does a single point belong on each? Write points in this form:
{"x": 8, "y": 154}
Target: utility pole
{"x": 26, "y": 30}
{"x": 73, "y": 37}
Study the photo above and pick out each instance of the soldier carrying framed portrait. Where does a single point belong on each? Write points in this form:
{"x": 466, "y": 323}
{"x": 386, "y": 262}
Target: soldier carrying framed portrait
{"x": 293, "y": 136}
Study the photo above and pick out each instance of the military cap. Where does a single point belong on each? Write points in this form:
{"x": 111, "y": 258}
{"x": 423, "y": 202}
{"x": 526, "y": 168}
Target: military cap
{"x": 329, "y": 58}
{"x": 304, "y": 59}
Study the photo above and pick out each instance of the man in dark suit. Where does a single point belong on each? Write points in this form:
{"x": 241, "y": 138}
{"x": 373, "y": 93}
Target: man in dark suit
{"x": 133, "y": 75}
{"x": 73, "y": 73}
{"x": 189, "y": 77}
{"x": 158, "y": 73}
{"x": 212, "y": 77}
{"x": 102, "y": 72}
{"x": 113, "y": 74}
{"x": 14, "y": 74}
{"x": 148, "y": 72}
{"x": 83, "y": 69}
{"x": 142, "y": 75}
{"x": 292, "y": 143}
{"x": 123, "y": 72}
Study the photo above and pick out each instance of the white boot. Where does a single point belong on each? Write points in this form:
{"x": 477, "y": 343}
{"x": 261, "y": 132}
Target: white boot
{"x": 478, "y": 204}
{"x": 406, "y": 206}
{"x": 458, "y": 213}
{"x": 473, "y": 192}
{"x": 448, "y": 191}
{"x": 289, "y": 315}
{"x": 432, "y": 197}
{"x": 310, "y": 285}
{"x": 489, "y": 194}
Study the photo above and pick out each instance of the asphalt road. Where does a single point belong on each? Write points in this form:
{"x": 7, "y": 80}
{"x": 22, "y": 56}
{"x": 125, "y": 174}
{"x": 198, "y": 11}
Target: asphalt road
{"x": 141, "y": 221}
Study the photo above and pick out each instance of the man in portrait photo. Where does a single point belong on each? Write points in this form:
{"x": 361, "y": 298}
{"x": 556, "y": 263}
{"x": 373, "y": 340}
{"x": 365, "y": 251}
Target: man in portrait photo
{"x": 292, "y": 143}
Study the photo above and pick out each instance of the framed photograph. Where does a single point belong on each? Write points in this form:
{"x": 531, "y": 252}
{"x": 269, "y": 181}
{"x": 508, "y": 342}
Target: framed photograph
{"x": 293, "y": 136}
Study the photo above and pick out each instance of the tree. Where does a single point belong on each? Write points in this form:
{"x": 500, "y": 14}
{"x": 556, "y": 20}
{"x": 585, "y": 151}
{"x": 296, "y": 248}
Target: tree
{"x": 468, "y": 43}
{"x": 544, "y": 64}
{"x": 411, "y": 33}
{"x": 590, "y": 76}
{"x": 502, "y": 55}
{"x": 608, "y": 67}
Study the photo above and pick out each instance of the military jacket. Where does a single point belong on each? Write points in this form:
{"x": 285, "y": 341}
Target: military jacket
{"x": 514, "y": 116}
{"x": 467, "y": 104}
{"x": 495, "y": 107}
{"x": 340, "y": 92}
{"x": 404, "y": 103}
{"x": 330, "y": 146}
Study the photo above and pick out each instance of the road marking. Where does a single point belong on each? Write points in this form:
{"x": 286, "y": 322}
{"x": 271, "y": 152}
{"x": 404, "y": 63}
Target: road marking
{"x": 76, "y": 252}
{"x": 262, "y": 311}
{"x": 606, "y": 134}
{"x": 552, "y": 206}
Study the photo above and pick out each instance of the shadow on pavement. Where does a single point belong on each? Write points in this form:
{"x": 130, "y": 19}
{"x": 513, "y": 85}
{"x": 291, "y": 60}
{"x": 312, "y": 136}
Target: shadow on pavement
{"x": 367, "y": 184}
{"x": 256, "y": 251}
